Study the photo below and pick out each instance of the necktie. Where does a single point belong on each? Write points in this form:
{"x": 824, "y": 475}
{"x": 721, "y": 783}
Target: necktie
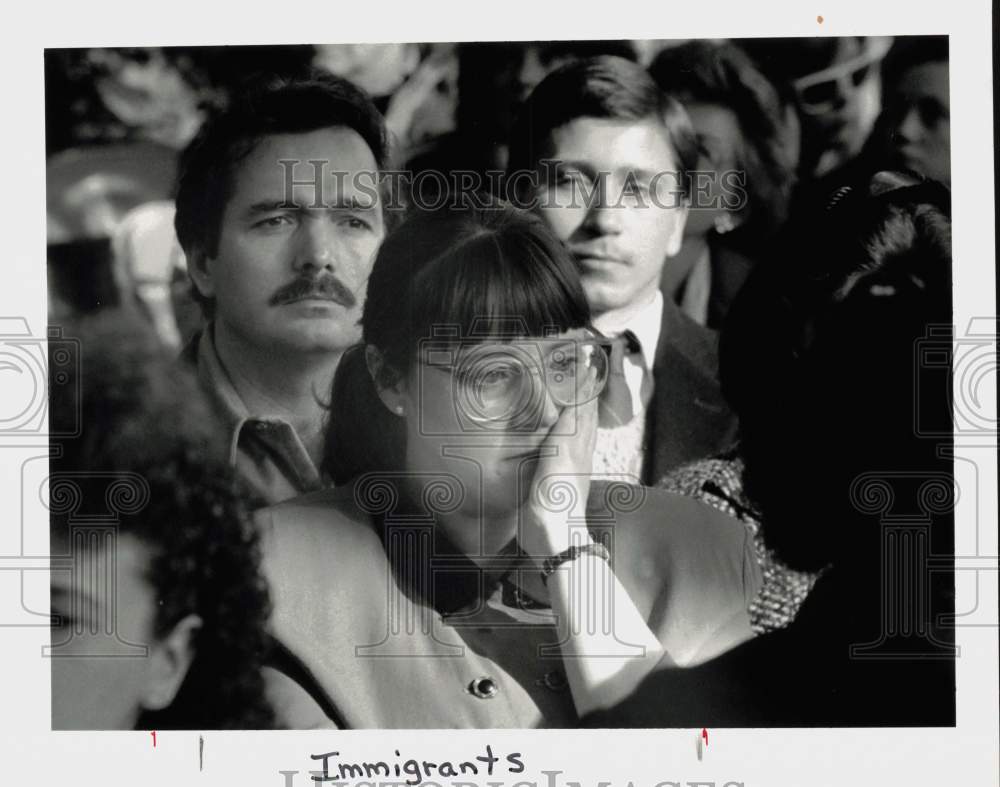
{"x": 616, "y": 406}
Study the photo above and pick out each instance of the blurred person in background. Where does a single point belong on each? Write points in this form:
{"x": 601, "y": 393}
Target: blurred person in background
{"x": 378, "y": 69}
{"x": 770, "y": 425}
{"x": 820, "y": 359}
{"x": 835, "y": 88}
{"x": 914, "y": 131}
{"x": 608, "y": 154}
{"x": 738, "y": 118}
{"x": 492, "y": 79}
{"x": 116, "y": 119}
{"x": 149, "y": 266}
{"x": 172, "y": 636}
{"x": 90, "y": 192}
{"x": 279, "y": 257}
{"x": 413, "y": 85}
{"x": 110, "y": 95}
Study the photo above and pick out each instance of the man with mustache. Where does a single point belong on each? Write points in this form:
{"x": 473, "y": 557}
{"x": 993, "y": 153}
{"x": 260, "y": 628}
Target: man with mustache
{"x": 604, "y": 154}
{"x": 279, "y": 215}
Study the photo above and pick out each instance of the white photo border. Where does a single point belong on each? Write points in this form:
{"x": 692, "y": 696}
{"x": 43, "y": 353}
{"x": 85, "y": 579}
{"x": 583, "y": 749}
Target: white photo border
{"x": 33, "y": 754}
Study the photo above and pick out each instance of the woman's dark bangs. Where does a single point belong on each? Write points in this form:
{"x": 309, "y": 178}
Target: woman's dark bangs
{"x": 494, "y": 287}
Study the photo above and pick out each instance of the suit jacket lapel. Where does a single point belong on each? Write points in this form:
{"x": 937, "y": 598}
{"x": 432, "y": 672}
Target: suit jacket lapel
{"x": 688, "y": 418}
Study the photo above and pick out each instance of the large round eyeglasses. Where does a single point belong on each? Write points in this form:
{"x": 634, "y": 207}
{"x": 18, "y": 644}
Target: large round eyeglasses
{"x": 504, "y": 383}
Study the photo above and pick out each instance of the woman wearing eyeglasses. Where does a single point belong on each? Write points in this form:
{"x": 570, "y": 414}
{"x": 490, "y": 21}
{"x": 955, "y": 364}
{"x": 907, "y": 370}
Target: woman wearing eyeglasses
{"x": 465, "y": 572}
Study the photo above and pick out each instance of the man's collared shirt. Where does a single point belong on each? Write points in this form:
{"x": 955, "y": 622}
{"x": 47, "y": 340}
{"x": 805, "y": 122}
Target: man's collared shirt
{"x": 619, "y": 450}
{"x": 639, "y": 366}
{"x": 266, "y": 451}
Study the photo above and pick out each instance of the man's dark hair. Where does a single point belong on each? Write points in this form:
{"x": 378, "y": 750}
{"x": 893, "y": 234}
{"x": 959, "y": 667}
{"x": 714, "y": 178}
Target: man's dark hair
{"x": 604, "y": 87}
{"x": 265, "y": 106}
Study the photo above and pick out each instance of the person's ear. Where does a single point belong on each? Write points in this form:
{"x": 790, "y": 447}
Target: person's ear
{"x": 170, "y": 660}
{"x": 389, "y": 383}
{"x": 676, "y": 237}
{"x": 200, "y": 271}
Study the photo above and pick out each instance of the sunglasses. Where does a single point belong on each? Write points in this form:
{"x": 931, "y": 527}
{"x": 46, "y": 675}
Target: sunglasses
{"x": 820, "y": 93}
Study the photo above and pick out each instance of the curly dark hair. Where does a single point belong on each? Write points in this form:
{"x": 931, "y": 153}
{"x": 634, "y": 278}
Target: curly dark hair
{"x": 142, "y": 413}
{"x": 817, "y": 358}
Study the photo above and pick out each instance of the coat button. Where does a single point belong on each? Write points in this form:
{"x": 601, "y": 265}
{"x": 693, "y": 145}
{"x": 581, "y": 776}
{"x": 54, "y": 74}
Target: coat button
{"x": 554, "y": 681}
{"x": 485, "y": 688}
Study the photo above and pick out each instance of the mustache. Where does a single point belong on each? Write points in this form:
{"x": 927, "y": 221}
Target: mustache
{"x": 325, "y": 287}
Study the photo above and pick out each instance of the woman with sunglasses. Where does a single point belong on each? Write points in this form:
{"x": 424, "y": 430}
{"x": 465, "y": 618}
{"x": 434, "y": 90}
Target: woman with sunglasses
{"x": 465, "y": 572}
{"x": 833, "y": 84}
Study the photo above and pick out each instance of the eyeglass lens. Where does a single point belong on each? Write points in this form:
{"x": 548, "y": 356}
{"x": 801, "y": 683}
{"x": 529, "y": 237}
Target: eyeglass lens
{"x": 500, "y": 382}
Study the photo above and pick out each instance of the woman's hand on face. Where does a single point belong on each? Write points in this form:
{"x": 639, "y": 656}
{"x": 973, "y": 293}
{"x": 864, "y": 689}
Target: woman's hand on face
{"x": 561, "y": 483}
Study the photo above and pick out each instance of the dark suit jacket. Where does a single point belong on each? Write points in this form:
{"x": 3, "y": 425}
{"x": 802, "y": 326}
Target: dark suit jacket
{"x": 730, "y": 270}
{"x": 359, "y": 651}
{"x": 688, "y": 418}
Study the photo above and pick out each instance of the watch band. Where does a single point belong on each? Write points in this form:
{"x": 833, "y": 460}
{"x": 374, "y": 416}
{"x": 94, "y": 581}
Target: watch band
{"x": 551, "y": 564}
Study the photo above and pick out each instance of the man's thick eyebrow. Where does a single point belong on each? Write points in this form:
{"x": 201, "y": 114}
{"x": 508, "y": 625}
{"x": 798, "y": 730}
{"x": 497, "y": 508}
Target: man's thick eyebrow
{"x": 569, "y": 163}
{"x": 348, "y": 203}
{"x": 268, "y": 206}
{"x": 352, "y": 203}
{"x": 641, "y": 174}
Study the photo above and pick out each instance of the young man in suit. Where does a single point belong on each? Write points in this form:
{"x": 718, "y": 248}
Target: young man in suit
{"x": 605, "y": 153}
{"x": 279, "y": 215}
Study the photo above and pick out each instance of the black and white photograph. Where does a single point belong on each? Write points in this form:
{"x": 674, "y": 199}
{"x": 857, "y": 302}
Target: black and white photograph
{"x": 550, "y": 391}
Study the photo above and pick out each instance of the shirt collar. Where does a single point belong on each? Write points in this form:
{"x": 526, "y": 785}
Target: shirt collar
{"x": 646, "y": 324}
{"x": 214, "y": 379}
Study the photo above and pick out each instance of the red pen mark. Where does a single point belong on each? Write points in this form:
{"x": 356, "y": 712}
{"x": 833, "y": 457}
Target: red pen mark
{"x": 701, "y": 742}
{"x": 153, "y": 733}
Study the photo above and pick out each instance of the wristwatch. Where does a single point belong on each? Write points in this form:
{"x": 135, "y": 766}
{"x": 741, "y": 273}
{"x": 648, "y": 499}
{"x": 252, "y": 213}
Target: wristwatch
{"x": 551, "y": 564}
